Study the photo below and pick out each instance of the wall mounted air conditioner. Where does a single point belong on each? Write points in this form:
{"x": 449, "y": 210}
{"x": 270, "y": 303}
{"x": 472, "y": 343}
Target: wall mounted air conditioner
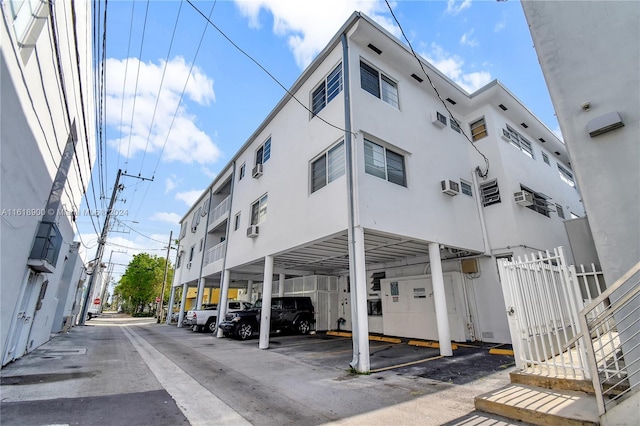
{"x": 189, "y": 265}
{"x": 449, "y": 187}
{"x": 438, "y": 119}
{"x": 253, "y": 231}
{"x": 257, "y": 171}
{"x": 523, "y": 198}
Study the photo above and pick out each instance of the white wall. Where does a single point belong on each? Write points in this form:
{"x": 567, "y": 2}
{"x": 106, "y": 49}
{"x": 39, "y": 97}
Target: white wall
{"x": 34, "y": 130}
{"x": 584, "y": 60}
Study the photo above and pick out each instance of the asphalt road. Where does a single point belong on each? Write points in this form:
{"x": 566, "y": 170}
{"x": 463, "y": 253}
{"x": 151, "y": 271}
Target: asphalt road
{"x": 117, "y": 370}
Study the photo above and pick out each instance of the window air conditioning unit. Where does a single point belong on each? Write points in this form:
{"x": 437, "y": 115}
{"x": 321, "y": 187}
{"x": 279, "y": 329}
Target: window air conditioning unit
{"x": 449, "y": 187}
{"x": 523, "y": 198}
{"x": 189, "y": 265}
{"x": 253, "y": 231}
{"x": 257, "y": 171}
{"x": 506, "y": 135}
{"x": 438, "y": 119}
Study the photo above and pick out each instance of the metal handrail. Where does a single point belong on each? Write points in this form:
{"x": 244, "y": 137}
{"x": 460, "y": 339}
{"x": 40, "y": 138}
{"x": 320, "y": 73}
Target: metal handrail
{"x": 611, "y": 332}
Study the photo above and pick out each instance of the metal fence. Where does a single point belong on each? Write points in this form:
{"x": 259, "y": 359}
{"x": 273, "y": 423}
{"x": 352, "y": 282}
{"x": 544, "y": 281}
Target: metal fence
{"x": 543, "y": 297}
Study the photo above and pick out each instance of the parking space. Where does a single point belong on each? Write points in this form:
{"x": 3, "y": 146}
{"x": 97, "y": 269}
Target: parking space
{"x": 406, "y": 358}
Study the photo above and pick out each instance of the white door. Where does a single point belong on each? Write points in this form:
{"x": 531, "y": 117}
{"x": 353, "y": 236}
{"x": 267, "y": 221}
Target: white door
{"x": 24, "y": 320}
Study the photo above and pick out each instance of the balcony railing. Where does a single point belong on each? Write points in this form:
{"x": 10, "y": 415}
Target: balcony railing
{"x": 215, "y": 253}
{"x": 46, "y": 247}
{"x": 220, "y": 209}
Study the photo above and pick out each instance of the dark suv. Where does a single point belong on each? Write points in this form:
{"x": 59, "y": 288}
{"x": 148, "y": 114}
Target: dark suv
{"x": 287, "y": 313}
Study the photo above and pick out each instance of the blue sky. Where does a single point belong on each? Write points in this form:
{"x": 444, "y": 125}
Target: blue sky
{"x": 213, "y": 97}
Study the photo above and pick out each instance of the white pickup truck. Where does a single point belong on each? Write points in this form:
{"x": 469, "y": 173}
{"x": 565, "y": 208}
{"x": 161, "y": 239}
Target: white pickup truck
{"x": 206, "y": 318}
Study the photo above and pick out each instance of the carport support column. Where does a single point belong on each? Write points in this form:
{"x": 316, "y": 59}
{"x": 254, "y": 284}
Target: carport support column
{"x": 224, "y": 296}
{"x": 440, "y": 300}
{"x": 170, "y": 308}
{"x": 250, "y": 290}
{"x": 183, "y": 302}
{"x": 281, "y": 285}
{"x": 360, "y": 329}
{"x": 265, "y": 314}
{"x": 200, "y": 296}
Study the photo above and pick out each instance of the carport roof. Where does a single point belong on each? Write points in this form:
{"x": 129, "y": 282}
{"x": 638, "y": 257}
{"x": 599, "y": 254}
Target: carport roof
{"x": 331, "y": 255}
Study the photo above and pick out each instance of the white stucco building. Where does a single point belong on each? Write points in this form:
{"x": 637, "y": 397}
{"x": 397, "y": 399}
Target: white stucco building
{"x": 590, "y": 57}
{"x": 374, "y": 185}
{"x": 47, "y": 143}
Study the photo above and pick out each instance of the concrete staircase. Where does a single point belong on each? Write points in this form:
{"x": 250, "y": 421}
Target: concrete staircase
{"x": 543, "y": 401}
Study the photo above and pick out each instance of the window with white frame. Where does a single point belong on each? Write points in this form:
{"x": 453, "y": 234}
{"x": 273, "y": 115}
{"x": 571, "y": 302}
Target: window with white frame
{"x": 259, "y": 210}
{"x": 560, "y": 211}
{"x": 191, "y": 252}
{"x": 264, "y": 152}
{"x": 183, "y": 229}
{"x": 201, "y": 244}
{"x": 384, "y": 163}
{"x": 196, "y": 219}
{"x": 465, "y": 188}
{"x": 566, "y": 176}
{"x": 236, "y": 222}
{"x": 519, "y": 141}
{"x": 24, "y": 12}
{"x": 327, "y": 167}
{"x": 378, "y": 84}
{"x": 327, "y": 90}
{"x": 242, "y": 171}
{"x": 478, "y": 129}
{"x": 490, "y": 193}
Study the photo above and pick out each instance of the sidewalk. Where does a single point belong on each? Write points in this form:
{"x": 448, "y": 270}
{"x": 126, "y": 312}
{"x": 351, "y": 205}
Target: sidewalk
{"x": 121, "y": 370}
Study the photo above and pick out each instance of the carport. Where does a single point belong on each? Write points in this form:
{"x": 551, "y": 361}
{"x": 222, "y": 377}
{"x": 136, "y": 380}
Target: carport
{"x": 331, "y": 256}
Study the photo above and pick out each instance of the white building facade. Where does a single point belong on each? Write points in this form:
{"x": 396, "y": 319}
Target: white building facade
{"x": 47, "y": 143}
{"x": 597, "y": 99}
{"x": 377, "y": 187}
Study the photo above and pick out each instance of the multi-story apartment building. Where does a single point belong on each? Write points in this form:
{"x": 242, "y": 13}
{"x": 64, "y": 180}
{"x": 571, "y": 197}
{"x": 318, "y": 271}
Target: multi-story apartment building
{"x": 47, "y": 134}
{"x": 386, "y": 201}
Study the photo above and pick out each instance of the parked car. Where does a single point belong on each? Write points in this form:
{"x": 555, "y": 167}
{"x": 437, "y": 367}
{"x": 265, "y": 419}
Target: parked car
{"x": 295, "y": 314}
{"x": 205, "y": 319}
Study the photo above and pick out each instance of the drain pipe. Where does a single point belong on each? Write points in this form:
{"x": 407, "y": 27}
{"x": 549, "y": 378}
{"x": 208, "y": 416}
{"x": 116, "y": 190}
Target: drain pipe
{"x": 225, "y": 278}
{"x": 359, "y": 320}
{"x": 201, "y": 281}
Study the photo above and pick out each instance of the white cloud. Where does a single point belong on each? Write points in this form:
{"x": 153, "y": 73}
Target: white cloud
{"x": 172, "y": 218}
{"x": 170, "y": 127}
{"x": 452, "y": 66}
{"x": 500, "y": 25}
{"x": 309, "y": 25}
{"x": 466, "y": 39}
{"x": 189, "y": 197}
{"x": 454, "y": 6}
{"x": 171, "y": 183}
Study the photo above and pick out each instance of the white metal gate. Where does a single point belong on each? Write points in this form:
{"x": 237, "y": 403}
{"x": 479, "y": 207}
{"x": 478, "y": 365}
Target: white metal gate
{"x": 543, "y": 297}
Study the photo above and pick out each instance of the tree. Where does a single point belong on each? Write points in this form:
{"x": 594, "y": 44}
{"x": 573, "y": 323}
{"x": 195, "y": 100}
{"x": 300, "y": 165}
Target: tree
{"x": 142, "y": 282}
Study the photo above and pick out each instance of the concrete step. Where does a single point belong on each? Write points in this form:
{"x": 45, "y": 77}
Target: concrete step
{"x": 541, "y": 406}
{"x": 556, "y": 383}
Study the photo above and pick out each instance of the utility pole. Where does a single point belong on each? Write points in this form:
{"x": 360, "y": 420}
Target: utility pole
{"x": 100, "y": 249}
{"x": 164, "y": 281}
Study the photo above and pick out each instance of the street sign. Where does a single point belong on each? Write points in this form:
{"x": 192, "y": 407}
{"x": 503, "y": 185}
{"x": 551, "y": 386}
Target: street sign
{"x": 96, "y": 301}
{"x": 157, "y": 299}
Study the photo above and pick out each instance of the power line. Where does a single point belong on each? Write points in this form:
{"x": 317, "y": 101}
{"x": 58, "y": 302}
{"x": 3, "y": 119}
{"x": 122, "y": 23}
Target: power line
{"x": 486, "y": 160}
{"x": 135, "y": 91}
{"x": 164, "y": 71}
{"x": 265, "y": 70}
